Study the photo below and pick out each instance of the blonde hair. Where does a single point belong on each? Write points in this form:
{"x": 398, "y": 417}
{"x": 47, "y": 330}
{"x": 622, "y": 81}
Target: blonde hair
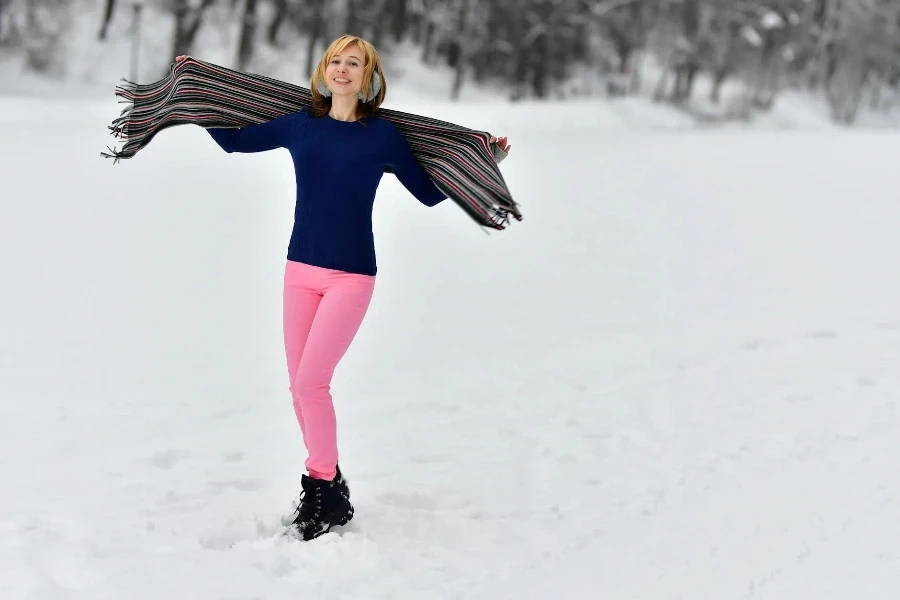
{"x": 322, "y": 104}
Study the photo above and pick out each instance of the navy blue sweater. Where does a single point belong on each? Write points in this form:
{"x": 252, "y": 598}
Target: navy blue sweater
{"x": 338, "y": 165}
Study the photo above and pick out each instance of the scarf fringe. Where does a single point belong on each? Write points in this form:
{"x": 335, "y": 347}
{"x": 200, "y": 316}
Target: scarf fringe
{"x": 462, "y": 166}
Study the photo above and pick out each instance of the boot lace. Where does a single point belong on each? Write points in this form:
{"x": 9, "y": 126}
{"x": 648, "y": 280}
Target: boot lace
{"x": 310, "y": 506}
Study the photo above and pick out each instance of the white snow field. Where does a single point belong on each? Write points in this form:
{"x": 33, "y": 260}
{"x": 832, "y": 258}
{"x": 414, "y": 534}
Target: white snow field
{"x": 678, "y": 377}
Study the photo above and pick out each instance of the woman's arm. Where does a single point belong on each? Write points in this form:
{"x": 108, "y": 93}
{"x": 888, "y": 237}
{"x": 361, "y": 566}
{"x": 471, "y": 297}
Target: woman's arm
{"x": 250, "y": 138}
{"x": 254, "y": 138}
{"x": 410, "y": 173}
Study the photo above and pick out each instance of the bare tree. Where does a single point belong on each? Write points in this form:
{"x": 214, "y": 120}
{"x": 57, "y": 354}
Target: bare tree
{"x": 859, "y": 43}
{"x": 625, "y": 25}
{"x": 278, "y": 18}
{"x": 316, "y": 30}
{"x": 396, "y": 13}
{"x": 108, "y": 10}
{"x": 458, "y": 46}
{"x": 46, "y": 23}
{"x": 188, "y": 18}
{"x": 5, "y": 21}
{"x": 248, "y": 35}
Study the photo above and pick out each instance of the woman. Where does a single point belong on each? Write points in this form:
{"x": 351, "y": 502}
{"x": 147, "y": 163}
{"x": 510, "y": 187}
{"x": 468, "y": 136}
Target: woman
{"x": 340, "y": 149}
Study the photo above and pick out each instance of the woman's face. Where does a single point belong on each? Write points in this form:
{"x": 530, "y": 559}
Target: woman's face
{"x": 344, "y": 73}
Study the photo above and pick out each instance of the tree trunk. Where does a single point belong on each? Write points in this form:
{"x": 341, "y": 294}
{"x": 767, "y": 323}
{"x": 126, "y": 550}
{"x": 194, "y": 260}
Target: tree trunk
{"x": 659, "y": 93}
{"x": 6, "y": 26}
{"x": 198, "y": 20}
{"x": 458, "y": 45}
{"x": 679, "y": 86}
{"x": 768, "y": 75}
{"x": 248, "y": 35}
{"x": 541, "y": 66}
{"x": 281, "y": 9}
{"x": 316, "y": 29}
{"x": 428, "y": 40}
{"x": 415, "y": 27}
{"x": 719, "y": 77}
{"x": 691, "y": 77}
{"x": 844, "y": 88}
{"x": 39, "y": 45}
{"x": 110, "y": 7}
{"x": 687, "y": 65}
{"x": 541, "y": 50}
{"x": 519, "y": 73}
{"x": 180, "y": 43}
{"x": 379, "y": 22}
{"x": 187, "y": 24}
{"x": 398, "y": 22}
{"x": 876, "y": 85}
{"x": 624, "y": 50}
{"x": 725, "y": 56}
{"x": 353, "y": 24}
{"x": 690, "y": 18}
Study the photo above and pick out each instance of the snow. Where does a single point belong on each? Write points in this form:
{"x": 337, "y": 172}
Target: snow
{"x": 772, "y": 20}
{"x": 676, "y": 378}
{"x": 752, "y": 36}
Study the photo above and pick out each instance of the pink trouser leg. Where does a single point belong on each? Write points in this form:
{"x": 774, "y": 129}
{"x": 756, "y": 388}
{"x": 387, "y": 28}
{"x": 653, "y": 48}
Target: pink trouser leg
{"x": 323, "y": 310}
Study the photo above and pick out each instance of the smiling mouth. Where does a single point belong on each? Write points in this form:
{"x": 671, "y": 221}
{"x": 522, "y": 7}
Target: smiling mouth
{"x": 341, "y": 81}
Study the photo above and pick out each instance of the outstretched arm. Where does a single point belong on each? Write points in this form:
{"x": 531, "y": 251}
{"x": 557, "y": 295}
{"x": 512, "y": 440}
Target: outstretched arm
{"x": 410, "y": 173}
{"x": 250, "y": 138}
{"x": 253, "y": 138}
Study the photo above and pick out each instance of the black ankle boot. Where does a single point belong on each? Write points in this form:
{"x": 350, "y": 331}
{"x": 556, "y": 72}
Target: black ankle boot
{"x": 322, "y": 506}
{"x": 341, "y": 483}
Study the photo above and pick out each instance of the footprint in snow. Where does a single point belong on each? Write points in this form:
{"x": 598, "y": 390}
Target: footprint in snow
{"x": 232, "y": 457}
{"x": 798, "y": 397}
{"x": 169, "y": 458}
{"x": 242, "y": 485}
{"x": 753, "y": 345}
{"x": 823, "y": 335}
{"x": 411, "y": 501}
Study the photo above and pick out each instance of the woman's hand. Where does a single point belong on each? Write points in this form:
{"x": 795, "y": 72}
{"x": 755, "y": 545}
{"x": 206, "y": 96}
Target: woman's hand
{"x": 180, "y": 58}
{"x": 502, "y": 142}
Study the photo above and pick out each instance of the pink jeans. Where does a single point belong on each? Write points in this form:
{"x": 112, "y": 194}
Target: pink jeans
{"x": 323, "y": 310}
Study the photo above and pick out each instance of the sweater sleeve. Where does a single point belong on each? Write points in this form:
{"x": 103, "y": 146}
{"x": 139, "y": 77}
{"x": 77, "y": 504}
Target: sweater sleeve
{"x": 410, "y": 173}
{"x": 254, "y": 138}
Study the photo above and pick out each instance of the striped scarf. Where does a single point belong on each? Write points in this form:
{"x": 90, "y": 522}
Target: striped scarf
{"x": 461, "y": 162}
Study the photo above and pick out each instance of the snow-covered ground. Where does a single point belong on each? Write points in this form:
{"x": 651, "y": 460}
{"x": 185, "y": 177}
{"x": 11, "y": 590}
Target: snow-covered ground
{"x": 677, "y": 378}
